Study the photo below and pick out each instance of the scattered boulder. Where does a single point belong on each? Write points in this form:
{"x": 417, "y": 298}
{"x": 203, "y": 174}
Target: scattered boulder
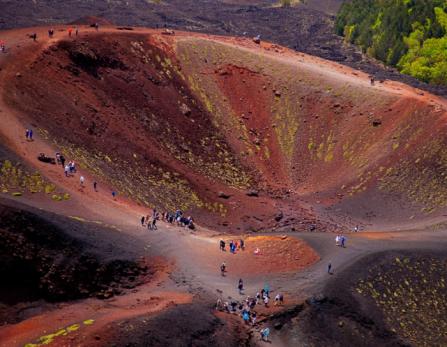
{"x": 376, "y": 122}
{"x": 223, "y": 195}
{"x": 185, "y": 110}
{"x": 168, "y": 32}
{"x": 278, "y": 325}
{"x": 279, "y": 216}
{"x": 18, "y": 74}
{"x": 277, "y": 93}
{"x": 257, "y": 39}
{"x": 253, "y": 193}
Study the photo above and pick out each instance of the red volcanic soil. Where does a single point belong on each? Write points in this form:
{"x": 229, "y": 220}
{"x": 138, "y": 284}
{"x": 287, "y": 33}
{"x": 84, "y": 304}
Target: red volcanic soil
{"x": 277, "y": 254}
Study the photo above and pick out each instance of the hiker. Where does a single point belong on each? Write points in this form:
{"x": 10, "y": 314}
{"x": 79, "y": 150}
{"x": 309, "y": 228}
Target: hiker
{"x": 240, "y": 286}
{"x": 66, "y": 170}
{"x": 356, "y": 228}
{"x": 69, "y": 31}
{"x": 329, "y": 267}
{"x": 96, "y": 26}
{"x": 258, "y": 297}
{"x": 76, "y": 31}
{"x": 223, "y": 268}
{"x": 245, "y": 317}
{"x": 219, "y": 305}
{"x": 58, "y": 158}
{"x": 154, "y": 222}
{"x": 114, "y": 195}
{"x": 27, "y": 134}
{"x": 337, "y": 240}
{"x": 279, "y": 299}
{"x": 266, "y": 290}
{"x": 142, "y": 221}
{"x": 343, "y": 240}
{"x": 372, "y": 80}
{"x": 266, "y": 301}
{"x": 30, "y": 135}
{"x": 242, "y": 244}
{"x": 265, "y": 334}
{"x": 81, "y": 180}
{"x": 50, "y": 33}
{"x": 62, "y": 159}
{"x": 253, "y": 318}
{"x": 95, "y": 186}
{"x": 222, "y": 245}
{"x": 34, "y": 37}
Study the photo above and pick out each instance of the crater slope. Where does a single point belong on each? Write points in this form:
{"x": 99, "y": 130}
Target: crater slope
{"x": 241, "y": 135}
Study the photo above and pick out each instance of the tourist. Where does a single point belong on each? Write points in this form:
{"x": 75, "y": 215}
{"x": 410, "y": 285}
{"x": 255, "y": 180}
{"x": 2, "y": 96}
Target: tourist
{"x": 31, "y": 134}
{"x": 81, "y": 180}
{"x": 266, "y": 301}
{"x": 142, "y": 221}
{"x": 329, "y": 268}
{"x": 66, "y": 170}
{"x": 222, "y": 245}
{"x": 242, "y": 244}
{"x": 253, "y": 318}
{"x": 223, "y": 268}
{"x": 95, "y": 185}
{"x": 154, "y": 222}
{"x": 27, "y": 134}
{"x": 265, "y": 334}
{"x": 114, "y": 195}
{"x": 241, "y": 286}
{"x": 279, "y": 299}
{"x": 245, "y": 317}
{"x": 62, "y": 158}
{"x": 266, "y": 290}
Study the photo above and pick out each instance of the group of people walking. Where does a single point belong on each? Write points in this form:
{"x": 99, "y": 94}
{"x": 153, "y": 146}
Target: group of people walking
{"x": 340, "y": 240}
{"x": 247, "y": 308}
{"x": 233, "y": 245}
{"x": 151, "y": 220}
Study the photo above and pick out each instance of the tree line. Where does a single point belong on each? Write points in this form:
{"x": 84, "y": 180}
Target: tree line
{"x": 407, "y": 34}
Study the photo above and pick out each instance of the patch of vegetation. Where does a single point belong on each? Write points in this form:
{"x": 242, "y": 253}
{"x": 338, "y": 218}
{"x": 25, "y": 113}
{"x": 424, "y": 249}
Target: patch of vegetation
{"x": 411, "y": 292}
{"x": 410, "y": 35}
{"x": 16, "y": 180}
